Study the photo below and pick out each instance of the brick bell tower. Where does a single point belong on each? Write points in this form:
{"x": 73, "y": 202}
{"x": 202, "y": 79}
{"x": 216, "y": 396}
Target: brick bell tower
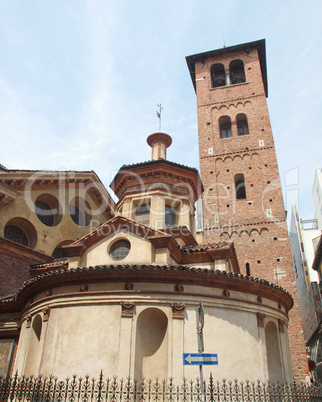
{"x": 243, "y": 200}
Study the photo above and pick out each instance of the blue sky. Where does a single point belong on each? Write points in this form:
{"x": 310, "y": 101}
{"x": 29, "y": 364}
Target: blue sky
{"x": 80, "y": 81}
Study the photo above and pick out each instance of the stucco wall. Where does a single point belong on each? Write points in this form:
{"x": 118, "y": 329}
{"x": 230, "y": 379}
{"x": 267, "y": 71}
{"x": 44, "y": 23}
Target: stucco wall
{"x": 48, "y": 237}
{"x": 86, "y": 332}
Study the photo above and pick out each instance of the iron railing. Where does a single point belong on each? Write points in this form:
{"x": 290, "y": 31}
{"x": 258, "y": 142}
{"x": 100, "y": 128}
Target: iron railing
{"x": 51, "y": 389}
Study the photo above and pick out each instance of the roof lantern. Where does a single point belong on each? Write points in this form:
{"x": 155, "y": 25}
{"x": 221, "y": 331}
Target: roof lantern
{"x": 159, "y": 142}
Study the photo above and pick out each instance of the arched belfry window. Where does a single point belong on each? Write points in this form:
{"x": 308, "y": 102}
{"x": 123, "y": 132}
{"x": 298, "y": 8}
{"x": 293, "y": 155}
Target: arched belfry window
{"x": 217, "y": 72}
{"x": 225, "y": 127}
{"x": 237, "y": 72}
{"x": 240, "y": 186}
{"x": 242, "y": 124}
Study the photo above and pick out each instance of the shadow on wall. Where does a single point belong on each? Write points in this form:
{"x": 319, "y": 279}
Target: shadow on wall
{"x": 151, "y": 349}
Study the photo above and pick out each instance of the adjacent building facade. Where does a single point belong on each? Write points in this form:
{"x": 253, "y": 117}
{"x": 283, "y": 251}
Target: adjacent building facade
{"x": 305, "y": 237}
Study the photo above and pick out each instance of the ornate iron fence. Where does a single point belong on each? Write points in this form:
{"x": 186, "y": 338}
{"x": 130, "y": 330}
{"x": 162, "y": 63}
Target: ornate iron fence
{"x": 51, "y": 389}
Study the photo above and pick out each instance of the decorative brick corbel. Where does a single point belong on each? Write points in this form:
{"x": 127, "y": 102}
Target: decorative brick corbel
{"x": 260, "y": 319}
{"x": 178, "y": 310}
{"x": 281, "y": 324}
{"x": 127, "y": 309}
{"x": 46, "y": 313}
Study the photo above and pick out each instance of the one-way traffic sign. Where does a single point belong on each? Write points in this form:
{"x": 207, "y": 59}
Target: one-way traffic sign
{"x": 199, "y": 358}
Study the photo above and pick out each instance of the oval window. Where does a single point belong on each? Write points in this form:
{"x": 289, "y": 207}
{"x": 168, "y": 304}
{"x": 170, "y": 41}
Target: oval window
{"x": 120, "y": 249}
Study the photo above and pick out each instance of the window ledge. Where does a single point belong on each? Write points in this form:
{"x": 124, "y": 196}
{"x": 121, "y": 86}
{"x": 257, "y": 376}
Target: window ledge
{"x": 229, "y": 86}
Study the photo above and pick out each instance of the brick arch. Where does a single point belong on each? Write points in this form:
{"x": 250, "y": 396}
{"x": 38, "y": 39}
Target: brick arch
{"x": 246, "y": 157}
{"x": 219, "y": 161}
{"x": 225, "y": 235}
{"x": 223, "y": 107}
{"x": 255, "y": 155}
{"x": 237, "y": 158}
{"x": 247, "y": 103}
{"x": 232, "y": 105}
{"x": 254, "y": 232}
{"x": 215, "y": 108}
{"x": 234, "y": 234}
{"x": 264, "y": 231}
{"x": 228, "y": 158}
{"x": 243, "y": 233}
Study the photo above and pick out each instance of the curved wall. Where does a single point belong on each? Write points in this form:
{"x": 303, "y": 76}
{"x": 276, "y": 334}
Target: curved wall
{"x": 102, "y": 326}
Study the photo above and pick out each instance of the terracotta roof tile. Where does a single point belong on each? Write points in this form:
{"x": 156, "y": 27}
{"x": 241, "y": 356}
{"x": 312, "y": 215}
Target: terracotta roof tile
{"x": 160, "y": 268}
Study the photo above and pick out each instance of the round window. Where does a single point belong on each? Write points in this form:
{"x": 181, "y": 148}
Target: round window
{"x": 48, "y": 210}
{"x": 80, "y": 211}
{"x": 21, "y": 231}
{"x": 120, "y": 249}
{"x": 16, "y": 234}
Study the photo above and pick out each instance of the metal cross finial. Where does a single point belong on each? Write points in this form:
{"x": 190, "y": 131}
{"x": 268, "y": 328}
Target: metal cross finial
{"x": 159, "y": 115}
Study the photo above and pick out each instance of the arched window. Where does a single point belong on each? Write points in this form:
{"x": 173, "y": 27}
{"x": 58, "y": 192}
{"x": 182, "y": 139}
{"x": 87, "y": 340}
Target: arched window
{"x": 225, "y": 127}
{"x": 237, "y": 72}
{"x": 142, "y": 214}
{"x": 242, "y": 124}
{"x": 240, "y": 186}
{"x": 59, "y": 251}
{"x": 169, "y": 217}
{"x": 217, "y": 72}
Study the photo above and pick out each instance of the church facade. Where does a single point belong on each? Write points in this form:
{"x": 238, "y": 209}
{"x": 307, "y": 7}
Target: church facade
{"x": 123, "y": 297}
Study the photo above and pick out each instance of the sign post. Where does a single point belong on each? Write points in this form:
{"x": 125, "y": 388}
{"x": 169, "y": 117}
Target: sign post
{"x": 200, "y": 323}
{"x": 200, "y": 358}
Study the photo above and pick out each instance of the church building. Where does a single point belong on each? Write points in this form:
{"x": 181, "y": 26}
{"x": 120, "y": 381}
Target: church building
{"x": 124, "y": 294}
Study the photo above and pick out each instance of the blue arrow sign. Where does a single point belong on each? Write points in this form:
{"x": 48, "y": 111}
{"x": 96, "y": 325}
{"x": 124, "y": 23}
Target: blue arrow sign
{"x": 199, "y": 358}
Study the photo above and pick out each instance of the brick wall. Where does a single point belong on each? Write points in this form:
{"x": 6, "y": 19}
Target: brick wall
{"x": 14, "y": 265}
